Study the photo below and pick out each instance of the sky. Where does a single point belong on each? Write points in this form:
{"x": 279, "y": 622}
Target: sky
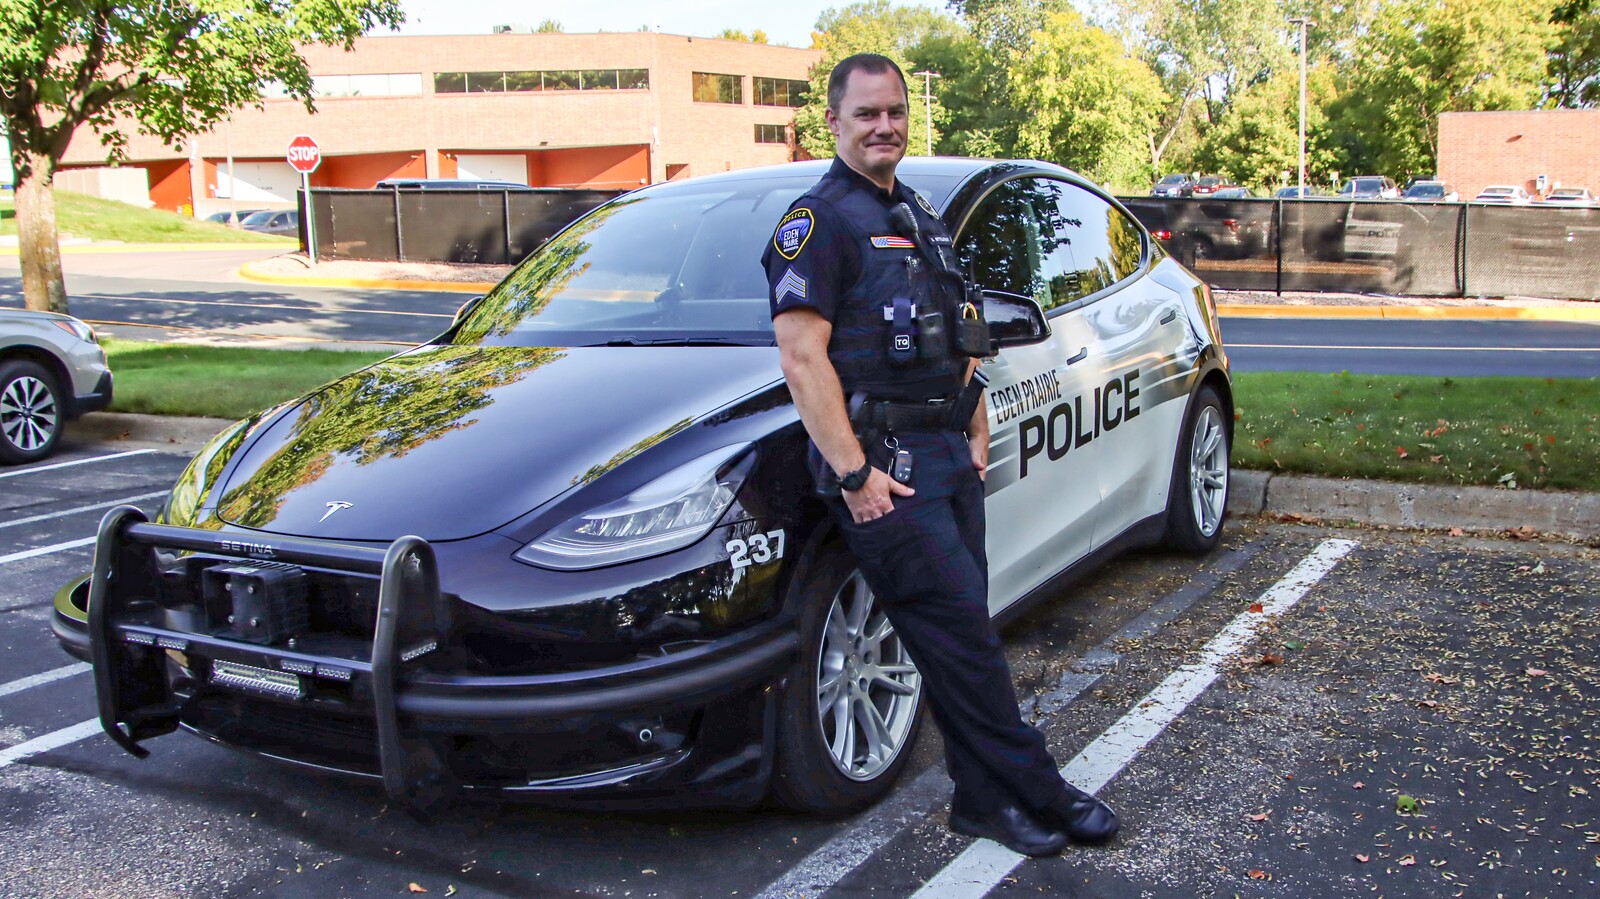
{"x": 784, "y": 22}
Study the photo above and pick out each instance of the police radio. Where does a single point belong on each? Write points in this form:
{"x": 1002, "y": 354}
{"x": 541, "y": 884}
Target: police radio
{"x": 933, "y": 338}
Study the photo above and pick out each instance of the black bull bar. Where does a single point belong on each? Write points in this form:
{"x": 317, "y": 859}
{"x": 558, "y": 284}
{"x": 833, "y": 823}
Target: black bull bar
{"x": 129, "y": 675}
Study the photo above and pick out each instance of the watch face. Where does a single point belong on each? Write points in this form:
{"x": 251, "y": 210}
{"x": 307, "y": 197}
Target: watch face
{"x": 855, "y": 480}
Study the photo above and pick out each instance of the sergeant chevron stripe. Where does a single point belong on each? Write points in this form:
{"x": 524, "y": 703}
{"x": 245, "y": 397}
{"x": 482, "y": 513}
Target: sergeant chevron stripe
{"x": 790, "y": 283}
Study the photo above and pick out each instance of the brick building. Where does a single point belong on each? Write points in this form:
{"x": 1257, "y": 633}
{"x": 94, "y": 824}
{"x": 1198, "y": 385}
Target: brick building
{"x": 548, "y": 110}
{"x": 1477, "y": 149}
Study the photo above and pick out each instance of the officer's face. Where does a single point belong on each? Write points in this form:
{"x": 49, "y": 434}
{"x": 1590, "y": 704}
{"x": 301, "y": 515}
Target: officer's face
{"x": 870, "y": 124}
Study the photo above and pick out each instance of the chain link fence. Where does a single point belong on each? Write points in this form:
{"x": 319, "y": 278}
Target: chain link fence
{"x": 1383, "y": 247}
{"x": 459, "y": 225}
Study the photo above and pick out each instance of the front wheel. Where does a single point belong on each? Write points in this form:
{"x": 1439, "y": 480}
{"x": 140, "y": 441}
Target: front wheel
{"x": 1198, "y": 497}
{"x": 30, "y": 412}
{"x": 851, "y": 709}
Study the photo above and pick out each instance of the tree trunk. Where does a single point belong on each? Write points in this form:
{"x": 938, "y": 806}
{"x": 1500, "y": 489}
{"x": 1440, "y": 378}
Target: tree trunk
{"x": 43, "y": 287}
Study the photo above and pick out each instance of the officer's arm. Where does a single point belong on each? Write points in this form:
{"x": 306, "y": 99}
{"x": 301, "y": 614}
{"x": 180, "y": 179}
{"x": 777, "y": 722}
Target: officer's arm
{"x": 978, "y": 430}
{"x": 803, "y": 343}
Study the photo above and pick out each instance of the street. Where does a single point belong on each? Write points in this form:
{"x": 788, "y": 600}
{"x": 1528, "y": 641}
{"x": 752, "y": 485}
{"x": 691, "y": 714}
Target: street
{"x": 1307, "y": 712}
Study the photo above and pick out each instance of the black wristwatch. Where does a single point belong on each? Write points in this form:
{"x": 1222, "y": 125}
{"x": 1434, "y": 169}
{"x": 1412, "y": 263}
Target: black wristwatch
{"x": 857, "y": 479}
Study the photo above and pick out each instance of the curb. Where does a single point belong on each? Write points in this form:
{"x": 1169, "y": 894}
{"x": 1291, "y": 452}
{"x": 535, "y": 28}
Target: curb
{"x": 74, "y": 249}
{"x": 249, "y": 273}
{"x": 1523, "y": 514}
{"x": 1518, "y": 313}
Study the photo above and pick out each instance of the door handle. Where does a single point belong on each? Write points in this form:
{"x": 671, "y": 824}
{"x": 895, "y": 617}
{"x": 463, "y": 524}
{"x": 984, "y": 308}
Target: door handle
{"x": 1082, "y": 355}
{"x": 1171, "y": 314}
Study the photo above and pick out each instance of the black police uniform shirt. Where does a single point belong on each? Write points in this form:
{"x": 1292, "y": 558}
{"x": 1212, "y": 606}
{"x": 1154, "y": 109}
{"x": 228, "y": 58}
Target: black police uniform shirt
{"x": 837, "y": 251}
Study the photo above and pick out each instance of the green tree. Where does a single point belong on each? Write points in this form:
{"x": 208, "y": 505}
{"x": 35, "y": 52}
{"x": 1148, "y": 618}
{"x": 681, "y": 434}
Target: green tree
{"x": 174, "y": 67}
{"x": 1091, "y": 105}
{"x": 734, "y": 34}
{"x": 871, "y": 26}
{"x": 1575, "y": 60}
{"x": 549, "y": 26}
{"x": 1428, "y": 57}
{"x": 1259, "y": 139}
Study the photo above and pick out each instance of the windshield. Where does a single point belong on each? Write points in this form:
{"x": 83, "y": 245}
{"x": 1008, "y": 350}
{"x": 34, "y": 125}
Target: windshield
{"x": 1173, "y": 179}
{"x": 676, "y": 264}
{"x": 1567, "y": 195}
{"x": 258, "y": 218}
{"x": 1496, "y": 191}
{"x": 1425, "y": 191}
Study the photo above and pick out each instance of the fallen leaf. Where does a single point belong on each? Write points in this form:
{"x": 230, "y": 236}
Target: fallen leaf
{"x": 1407, "y": 804}
{"x": 1428, "y": 703}
{"x": 449, "y": 889}
{"x": 1271, "y": 658}
{"x": 1260, "y": 816}
{"x": 1363, "y": 858}
{"x": 1457, "y": 532}
{"x": 1295, "y": 645}
{"x": 648, "y": 871}
{"x": 1255, "y": 607}
{"x": 1401, "y": 452}
{"x": 1537, "y": 672}
{"x": 1359, "y": 785}
{"x": 416, "y": 887}
{"x": 1257, "y": 874}
{"x": 1407, "y": 861}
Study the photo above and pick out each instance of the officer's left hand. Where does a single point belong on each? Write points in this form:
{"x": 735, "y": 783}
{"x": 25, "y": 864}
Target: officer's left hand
{"x": 979, "y": 445}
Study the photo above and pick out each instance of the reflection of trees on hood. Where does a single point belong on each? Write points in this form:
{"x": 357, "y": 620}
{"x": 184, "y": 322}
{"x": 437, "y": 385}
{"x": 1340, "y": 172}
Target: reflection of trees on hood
{"x": 384, "y": 411}
{"x": 623, "y": 456}
{"x": 545, "y": 275}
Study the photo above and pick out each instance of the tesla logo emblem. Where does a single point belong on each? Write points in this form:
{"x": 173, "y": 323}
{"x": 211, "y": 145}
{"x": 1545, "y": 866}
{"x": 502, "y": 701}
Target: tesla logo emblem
{"x": 337, "y": 505}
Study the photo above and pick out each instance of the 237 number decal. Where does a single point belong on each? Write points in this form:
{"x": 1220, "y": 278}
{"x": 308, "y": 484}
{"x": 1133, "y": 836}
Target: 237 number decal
{"x": 757, "y": 549}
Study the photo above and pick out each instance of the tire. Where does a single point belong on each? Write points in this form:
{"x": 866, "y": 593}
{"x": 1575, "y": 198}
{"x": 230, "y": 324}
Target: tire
{"x": 1197, "y": 501}
{"x": 844, "y": 631}
{"x": 31, "y": 414}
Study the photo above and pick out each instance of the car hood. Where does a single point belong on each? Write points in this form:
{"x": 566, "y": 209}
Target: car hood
{"x": 448, "y": 442}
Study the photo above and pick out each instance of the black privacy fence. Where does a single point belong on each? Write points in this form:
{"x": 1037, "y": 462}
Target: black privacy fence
{"x": 1381, "y": 246}
{"x": 485, "y": 226}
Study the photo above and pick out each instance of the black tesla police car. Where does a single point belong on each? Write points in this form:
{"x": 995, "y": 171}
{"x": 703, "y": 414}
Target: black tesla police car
{"x": 569, "y": 549}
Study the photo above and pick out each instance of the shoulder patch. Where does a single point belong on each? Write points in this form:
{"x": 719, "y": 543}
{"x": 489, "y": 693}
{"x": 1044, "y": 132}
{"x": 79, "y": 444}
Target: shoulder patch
{"x": 926, "y": 206}
{"x": 793, "y": 232}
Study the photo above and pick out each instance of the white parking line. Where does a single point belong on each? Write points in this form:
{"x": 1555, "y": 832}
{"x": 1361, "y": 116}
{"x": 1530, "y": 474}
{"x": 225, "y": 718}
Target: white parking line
{"x": 984, "y": 864}
{"x": 315, "y": 309}
{"x": 39, "y": 468}
{"x": 65, "y": 512}
{"x": 39, "y": 680}
{"x": 53, "y": 740}
{"x": 46, "y": 550}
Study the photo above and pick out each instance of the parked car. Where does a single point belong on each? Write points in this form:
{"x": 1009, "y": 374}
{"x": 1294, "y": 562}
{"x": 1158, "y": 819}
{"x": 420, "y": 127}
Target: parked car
{"x": 52, "y": 370}
{"x": 1504, "y": 195}
{"x": 1568, "y": 196}
{"x": 1370, "y": 187}
{"x": 1233, "y": 193}
{"x": 1177, "y": 185}
{"x": 1209, "y": 184}
{"x": 273, "y": 221}
{"x": 231, "y": 218}
{"x": 447, "y": 184}
{"x": 620, "y": 584}
{"x": 1295, "y": 192}
{"x": 1430, "y": 192}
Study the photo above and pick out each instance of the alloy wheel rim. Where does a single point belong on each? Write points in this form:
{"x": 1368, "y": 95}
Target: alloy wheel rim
{"x": 28, "y": 414}
{"x": 1208, "y": 471}
{"x": 867, "y": 687}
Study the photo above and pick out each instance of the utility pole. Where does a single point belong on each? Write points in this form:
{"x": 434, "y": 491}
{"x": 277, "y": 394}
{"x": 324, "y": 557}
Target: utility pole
{"x": 927, "y": 100}
{"x": 1304, "y": 22}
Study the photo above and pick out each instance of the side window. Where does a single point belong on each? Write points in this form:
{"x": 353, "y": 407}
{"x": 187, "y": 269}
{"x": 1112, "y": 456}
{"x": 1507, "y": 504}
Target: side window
{"x": 1050, "y": 240}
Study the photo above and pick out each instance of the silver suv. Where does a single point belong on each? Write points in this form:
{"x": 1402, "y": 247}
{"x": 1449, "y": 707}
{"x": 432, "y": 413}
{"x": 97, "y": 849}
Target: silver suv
{"x": 51, "y": 369}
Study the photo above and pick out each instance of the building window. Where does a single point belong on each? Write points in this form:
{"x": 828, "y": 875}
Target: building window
{"x": 779, "y": 92}
{"x": 533, "y": 81}
{"x": 709, "y": 88}
{"x": 324, "y": 86}
{"x": 771, "y": 134}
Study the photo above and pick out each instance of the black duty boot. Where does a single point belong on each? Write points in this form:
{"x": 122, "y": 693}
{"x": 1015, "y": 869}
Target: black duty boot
{"x": 1082, "y": 817}
{"x": 1012, "y": 827}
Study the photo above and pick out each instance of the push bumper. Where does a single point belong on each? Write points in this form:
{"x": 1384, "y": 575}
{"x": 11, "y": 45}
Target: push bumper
{"x": 408, "y": 706}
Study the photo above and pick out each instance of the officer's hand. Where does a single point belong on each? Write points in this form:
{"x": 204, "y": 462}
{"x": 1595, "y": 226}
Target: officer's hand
{"x": 875, "y": 498}
{"x": 979, "y": 445}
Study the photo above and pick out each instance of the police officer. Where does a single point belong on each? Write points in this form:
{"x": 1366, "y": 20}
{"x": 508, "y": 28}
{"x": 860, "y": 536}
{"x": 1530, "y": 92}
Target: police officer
{"x": 876, "y": 331}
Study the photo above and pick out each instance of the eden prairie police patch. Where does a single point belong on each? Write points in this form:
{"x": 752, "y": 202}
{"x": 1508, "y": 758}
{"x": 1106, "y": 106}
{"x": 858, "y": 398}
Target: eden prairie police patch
{"x": 792, "y": 233}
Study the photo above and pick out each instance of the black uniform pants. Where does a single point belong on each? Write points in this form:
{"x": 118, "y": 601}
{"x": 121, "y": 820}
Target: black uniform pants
{"x": 926, "y": 563}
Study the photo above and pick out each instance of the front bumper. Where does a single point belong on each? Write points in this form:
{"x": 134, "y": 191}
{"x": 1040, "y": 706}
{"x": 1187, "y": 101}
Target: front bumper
{"x": 694, "y": 724}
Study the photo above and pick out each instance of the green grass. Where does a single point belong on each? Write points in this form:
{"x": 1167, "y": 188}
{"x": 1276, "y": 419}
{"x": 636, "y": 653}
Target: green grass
{"x": 84, "y": 216}
{"x": 1513, "y": 432}
{"x": 219, "y": 382}
{"x": 1522, "y": 432}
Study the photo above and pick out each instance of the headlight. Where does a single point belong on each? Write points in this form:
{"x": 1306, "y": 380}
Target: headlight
{"x": 183, "y": 503}
{"x": 668, "y": 513}
{"x": 76, "y": 328}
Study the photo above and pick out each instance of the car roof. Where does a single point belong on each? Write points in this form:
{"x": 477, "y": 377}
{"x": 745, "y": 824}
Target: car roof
{"x": 936, "y": 178}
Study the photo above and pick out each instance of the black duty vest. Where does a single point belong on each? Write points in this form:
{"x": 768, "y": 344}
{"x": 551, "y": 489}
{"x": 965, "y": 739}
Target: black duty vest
{"x": 861, "y": 348}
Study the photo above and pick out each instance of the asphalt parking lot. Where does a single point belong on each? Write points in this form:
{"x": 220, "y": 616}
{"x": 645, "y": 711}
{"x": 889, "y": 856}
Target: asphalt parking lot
{"x": 1308, "y": 712}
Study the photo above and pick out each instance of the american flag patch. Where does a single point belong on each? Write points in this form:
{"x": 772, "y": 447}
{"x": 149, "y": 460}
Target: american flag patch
{"x": 892, "y": 243}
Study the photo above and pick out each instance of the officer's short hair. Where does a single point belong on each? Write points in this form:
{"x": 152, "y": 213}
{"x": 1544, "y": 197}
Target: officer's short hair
{"x": 870, "y": 63}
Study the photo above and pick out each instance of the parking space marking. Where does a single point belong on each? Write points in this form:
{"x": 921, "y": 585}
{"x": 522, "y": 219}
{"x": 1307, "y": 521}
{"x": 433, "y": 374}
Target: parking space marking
{"x": 46, "y": 550}
{"x": 1410, "y": 347}
{"x": 39, "y": 680}
{"x": 832, "y": 861}
{"x": 317, "y": 308}
{"x": 53, "y": 740}
{"x": 39, "y": 468}
{"x": 65, "y": 512}
{"x": 984, "y": 864}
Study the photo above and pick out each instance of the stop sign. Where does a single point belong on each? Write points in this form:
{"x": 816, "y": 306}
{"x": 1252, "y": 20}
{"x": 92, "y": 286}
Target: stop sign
{"x": 304, "y": 154}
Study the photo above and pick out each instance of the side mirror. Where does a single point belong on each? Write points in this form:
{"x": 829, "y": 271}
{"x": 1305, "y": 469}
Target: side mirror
{"x": 1014, "y": 320}
{"x": 465, "y": 310}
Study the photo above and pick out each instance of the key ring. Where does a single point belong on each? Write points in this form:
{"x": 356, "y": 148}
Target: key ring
{"x": 892, "y": 442}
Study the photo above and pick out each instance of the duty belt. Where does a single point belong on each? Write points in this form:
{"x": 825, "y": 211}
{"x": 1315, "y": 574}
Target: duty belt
{"x": 945, "y": 413}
